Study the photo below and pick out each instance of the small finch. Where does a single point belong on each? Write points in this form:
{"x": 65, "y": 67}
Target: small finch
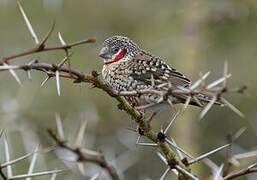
{"x": 127, "y": 67}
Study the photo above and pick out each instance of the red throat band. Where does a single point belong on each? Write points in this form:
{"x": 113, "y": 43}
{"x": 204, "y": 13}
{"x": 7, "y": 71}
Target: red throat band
{"x": 118, "y": 57}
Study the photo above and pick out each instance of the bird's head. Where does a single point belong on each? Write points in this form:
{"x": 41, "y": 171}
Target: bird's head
{"x": 118, "y": 49}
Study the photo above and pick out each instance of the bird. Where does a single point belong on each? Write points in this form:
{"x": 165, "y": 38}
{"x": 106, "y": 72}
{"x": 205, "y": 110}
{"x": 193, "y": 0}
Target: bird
{"x": 127, "y": 68}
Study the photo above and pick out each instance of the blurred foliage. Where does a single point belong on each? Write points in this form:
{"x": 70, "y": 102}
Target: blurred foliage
{"x": 193, "y": 36}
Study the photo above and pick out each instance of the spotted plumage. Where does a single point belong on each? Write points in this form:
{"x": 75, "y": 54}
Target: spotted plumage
{"x": 127, "y": 67}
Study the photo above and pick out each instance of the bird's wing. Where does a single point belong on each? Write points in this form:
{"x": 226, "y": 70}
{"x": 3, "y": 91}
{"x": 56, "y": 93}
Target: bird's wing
{"x": 146, "y": 68}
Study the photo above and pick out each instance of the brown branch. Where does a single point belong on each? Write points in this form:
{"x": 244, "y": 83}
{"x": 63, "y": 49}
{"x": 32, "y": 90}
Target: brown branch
{"x": 2, "y": 174}
{"x": 44, "y": 48}
{"x": 144, "y": 127}
{"x": 240, "y": 173}
{"x": 84, "y": 157}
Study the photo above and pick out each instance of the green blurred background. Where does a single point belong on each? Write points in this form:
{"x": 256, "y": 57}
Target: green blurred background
{"x": 193, "y": 36}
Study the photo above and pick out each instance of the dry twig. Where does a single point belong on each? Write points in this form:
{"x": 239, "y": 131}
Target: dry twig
{"x": 84, "y": 156}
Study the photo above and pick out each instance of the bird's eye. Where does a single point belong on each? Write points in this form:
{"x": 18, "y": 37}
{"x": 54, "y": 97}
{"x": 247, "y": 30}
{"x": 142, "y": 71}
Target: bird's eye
{"x": 116, "y": 50}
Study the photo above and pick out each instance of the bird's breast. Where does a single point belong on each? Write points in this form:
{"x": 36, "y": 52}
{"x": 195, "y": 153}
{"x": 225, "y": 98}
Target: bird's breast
{"x": 117, "y": 76}
{"x": 107, "y": 73}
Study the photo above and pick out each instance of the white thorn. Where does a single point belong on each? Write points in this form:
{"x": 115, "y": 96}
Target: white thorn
{"x": 138, "y": 139}
{"x": 147, "y": 144}
{"x": 95, "y": 177}
{"x": 210, "y": 164}
{"x": 53, "y": 177}
{"x": 171, "y": 122}
{"x": 46, "y": 79}
{"x": 208, "y": 107}
{"x": 232, "y": 107}
{"x": 202, "y": 82}
{"x": 170, "y": 103}
{"x": 178, "y": 152}
{"x": 198, "y": 82}
{"x": 208, "y": 154}
{"x": 81, "y": 168}
{"x": 3, "y": 165}
{"x": 238, "y": 133}
{"x": 32, "y": 163}
{"x": 187, "y": 102}
{"x": 217, "y": 82}
{"x": 58, "y": 86}
{"x": 61, "y": 39}
{"x": 218, "y": 174}
{"x": 252, "y": 166}
{"x": 59, "y": 126}
{"x": 30, "y": 28}
{"x": 89, "y": 152}
{"x": 81, "y": 134}
{"x": 162, "y": 157}
{"x": 8, "y": 67}
{"x": 197, "y": 101}
{"x": 13, "y": 73}
{"x": 64, "y": 60}
{"x": 178, "y": 148}
{"x": 165, "y": 174}
{"x": 245, "y": 155}
{"x": 29, "y": 74}
{"x": 7, "y": 157}
{"x": 175, "y": 171}
{"x": 22, "y": 176}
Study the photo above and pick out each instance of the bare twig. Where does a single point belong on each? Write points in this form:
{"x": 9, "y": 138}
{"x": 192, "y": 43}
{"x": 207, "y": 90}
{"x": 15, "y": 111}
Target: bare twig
{"x": 34, "y": 50}
{"x": 249, "y": 170}
{"x": 9, "y": 164}
{"x": 83, "y": 156}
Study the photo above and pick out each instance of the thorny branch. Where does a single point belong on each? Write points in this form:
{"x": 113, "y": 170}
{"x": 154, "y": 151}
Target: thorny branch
{"x": 93, "y": 79}
{"x": 249, "y": 170}
{"x": 159, "y": 139}
{"x": 82, "y": 156}
{"x": 8, "y": 164}
{"x": 38, "y": 49}
{"x": 143, "y": 127}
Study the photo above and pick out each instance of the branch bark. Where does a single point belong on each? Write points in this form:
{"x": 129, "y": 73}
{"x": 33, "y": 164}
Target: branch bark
{"x": 240, "y": 173}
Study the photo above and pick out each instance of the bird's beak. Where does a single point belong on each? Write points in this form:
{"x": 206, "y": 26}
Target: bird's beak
{"x": 104, "y": 53}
